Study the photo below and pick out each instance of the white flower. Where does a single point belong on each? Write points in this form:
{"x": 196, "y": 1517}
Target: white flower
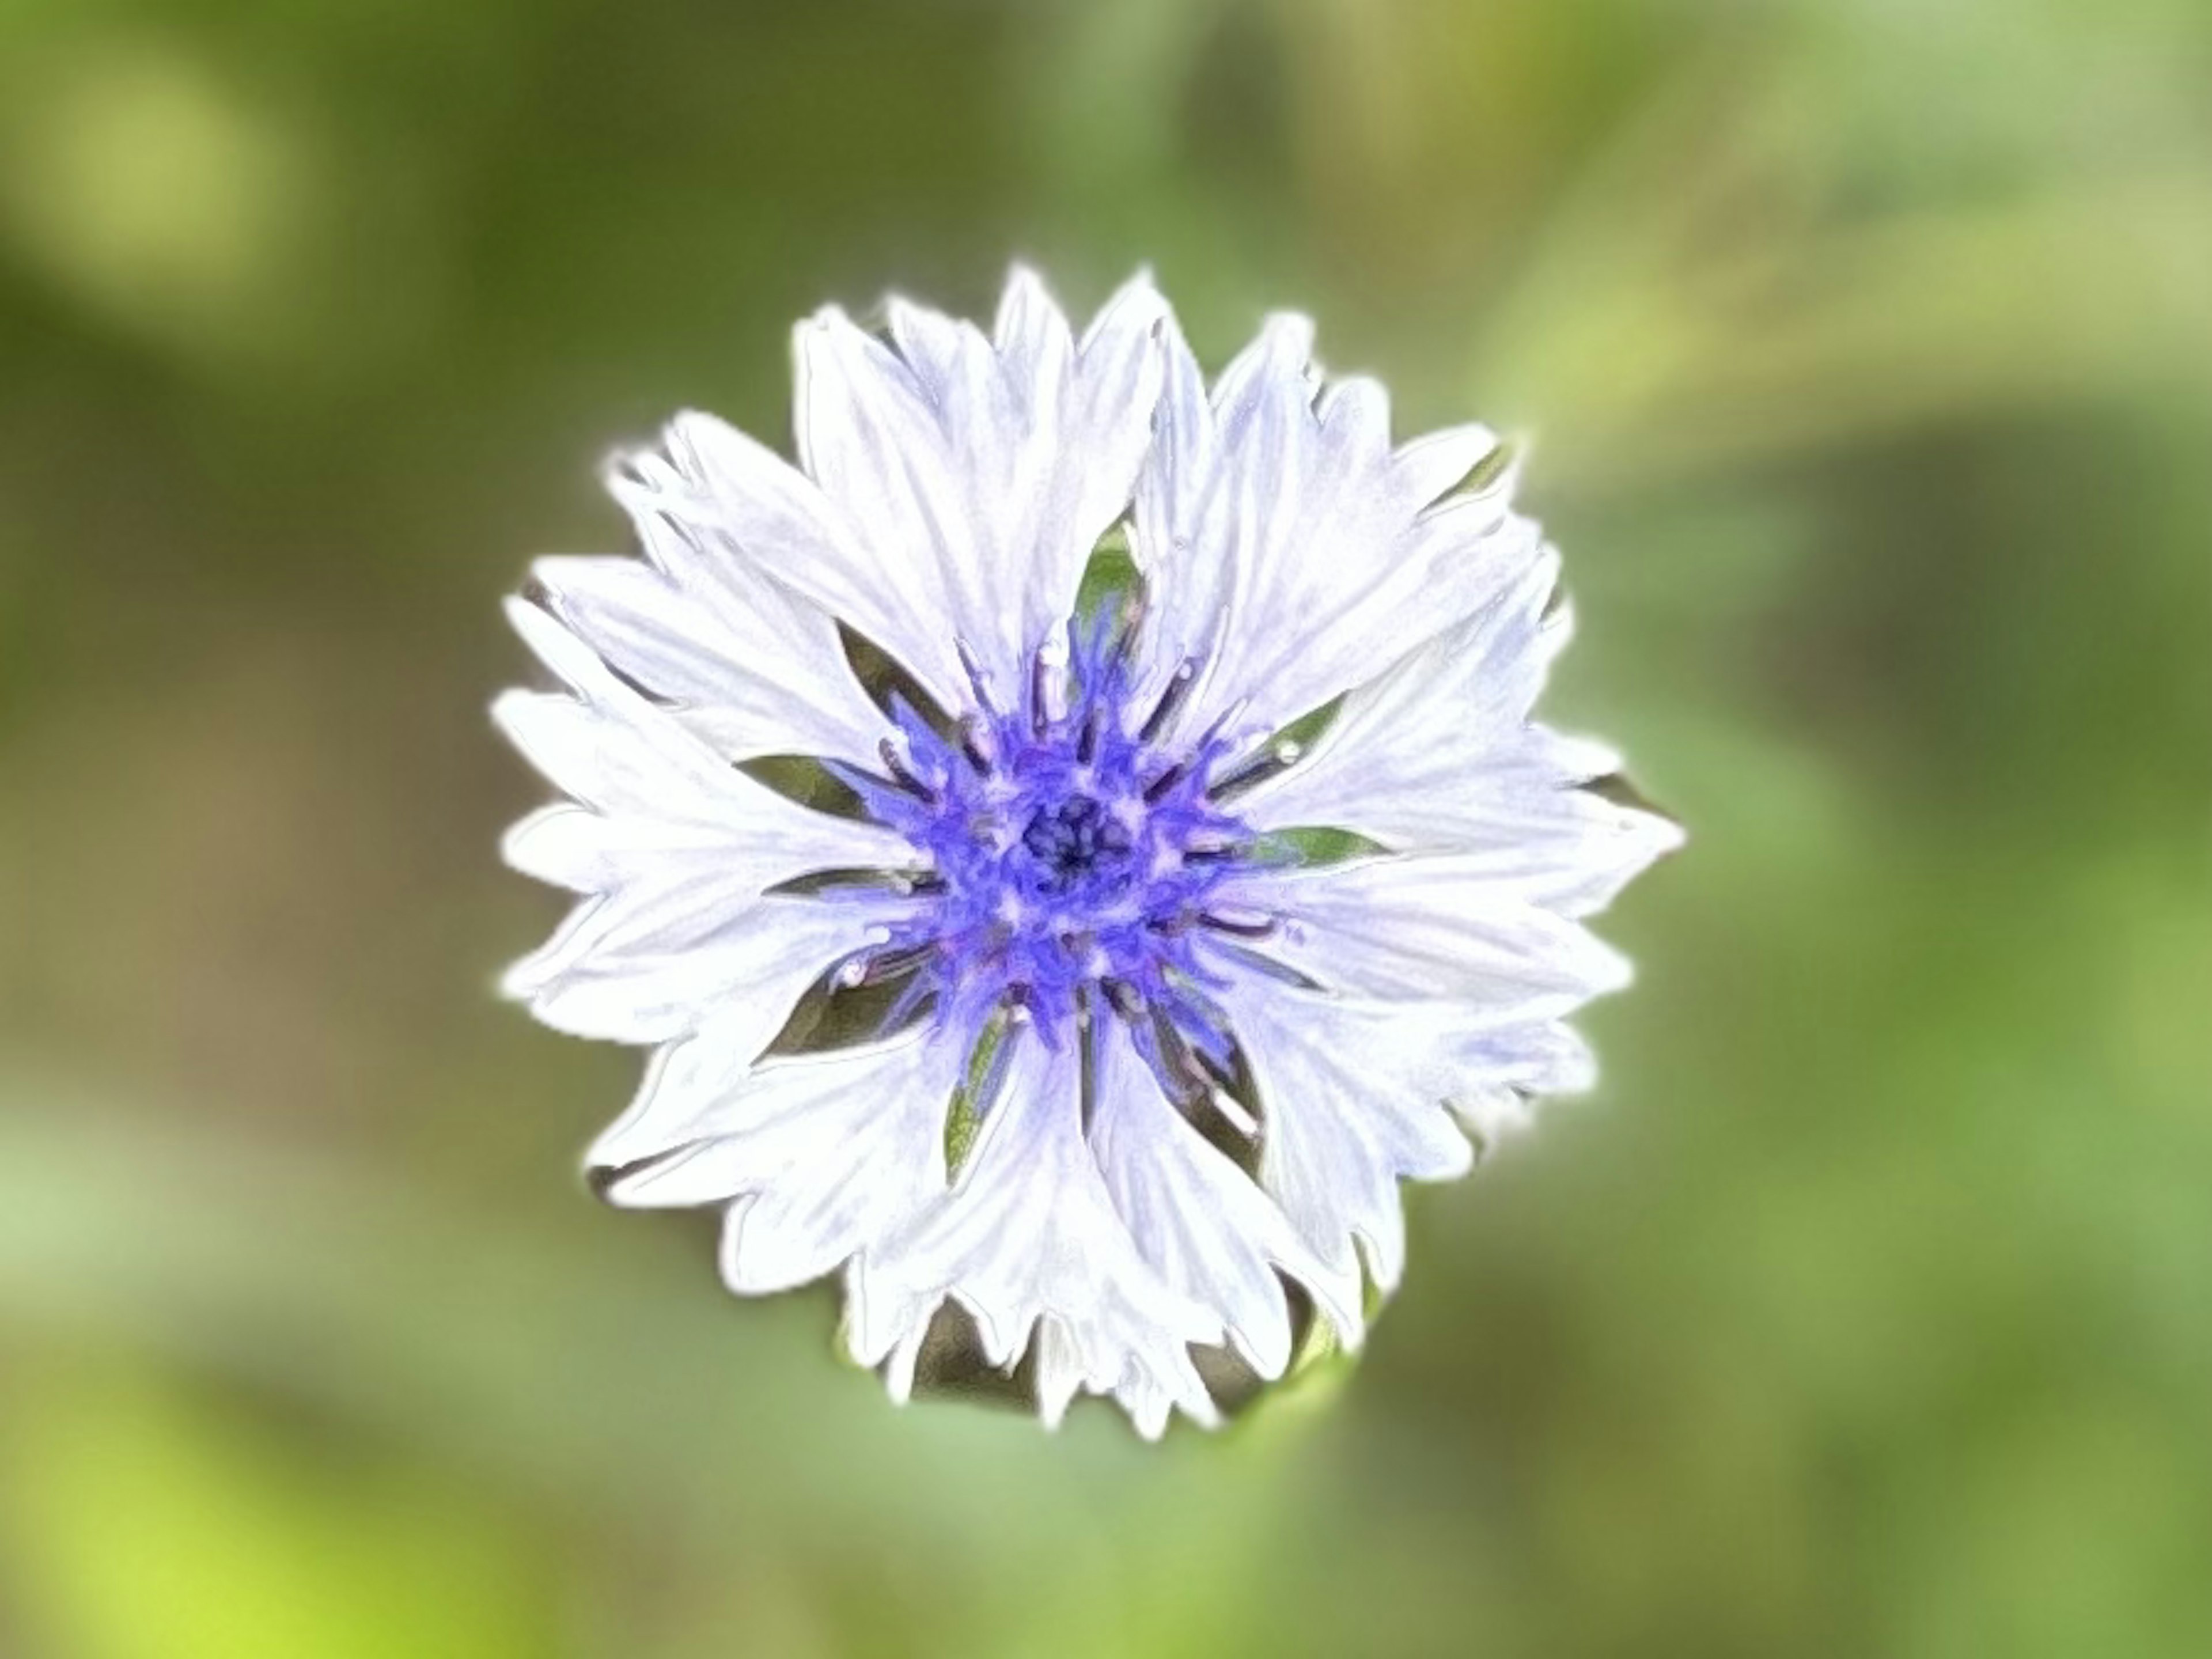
{"x": 1136, "y": 1059}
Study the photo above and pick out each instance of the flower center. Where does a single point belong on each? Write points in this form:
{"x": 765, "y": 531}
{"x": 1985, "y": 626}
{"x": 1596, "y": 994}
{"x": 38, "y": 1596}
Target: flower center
{"x": 1074, "y": 842}
{"x": 1070, "y": 856}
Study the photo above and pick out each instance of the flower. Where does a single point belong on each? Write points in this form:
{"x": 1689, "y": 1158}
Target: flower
{"x": 1136, "y": 1047}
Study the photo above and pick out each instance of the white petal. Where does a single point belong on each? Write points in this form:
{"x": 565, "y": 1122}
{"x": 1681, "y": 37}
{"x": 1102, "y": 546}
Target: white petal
{"x": 723, "y": 492}
{"x": 869, "y": 437}
{"x": 1149, "y": 1403}
{"x": 1109, "y": 431}
{"x": 1028, "y": 1233}
{"x": 749, "y": 667}
{"x": 987, "y": 468}
{"x": 1214, "y": 500}
{"x": 1059, "y": 1369}
{"x": 1352, "y": 1097}
{"x": 1047, "y": 437}
{"x": 677, "y": 928}
{"x": 1197, "y": 1219}
{"x": 1357, "y": 1093}
{"x": 613, "y": 749}
{"x": 1439, "y": 462}
{"x": 1465, "y": 926}
{"x": 665, "y": 915}
{"x": 934, "y": 345}
{"x": 1291, "y": 549}
{"x": 652, "y": 989}
{"x": 655, "y": 802}
{"x": 1439, "y": 753}
{"x": 1503, "y": 1070}
{"x": 792, "y": 946}
{"x": 1313, "y": 640}
{"x": 1404, "y": 746}
{"x": 678, "y": 849}
{"x": 898, "y": 1369}
{"x": 588, "y": 850}
{"x": 825, "y": 1153}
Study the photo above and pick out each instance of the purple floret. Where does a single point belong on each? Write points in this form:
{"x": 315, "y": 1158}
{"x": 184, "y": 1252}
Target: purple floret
{"x": 1068, "y": 859}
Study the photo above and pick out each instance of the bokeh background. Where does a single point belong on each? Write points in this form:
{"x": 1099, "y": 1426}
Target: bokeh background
{"x": 1866, "y": 1309}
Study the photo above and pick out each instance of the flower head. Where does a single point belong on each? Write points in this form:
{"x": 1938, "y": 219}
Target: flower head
{"x": 1122, "y": 1045}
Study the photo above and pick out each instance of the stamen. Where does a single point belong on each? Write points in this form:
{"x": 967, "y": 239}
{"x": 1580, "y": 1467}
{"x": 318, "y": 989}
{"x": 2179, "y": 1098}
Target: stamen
{"x": 974, "y": 669}
{"x": 890, "y": 965}
{"x": 1086, "y": 744}
{"x": 971, "y": 745}
{"x": 1221, "y": 1077}
{"x": 1278, "y": 759}
{"x": 1238, "y": 929}
{"x": 1040, "y": 717}
{"x": 1178, "y": 691}
{"x": 917, "y": 990}
{"x": 1128, "y": 616}
{"x": 1187, "y": 1076}
{"x": 1166, "y": 780}
{"x": 902, "y": 777}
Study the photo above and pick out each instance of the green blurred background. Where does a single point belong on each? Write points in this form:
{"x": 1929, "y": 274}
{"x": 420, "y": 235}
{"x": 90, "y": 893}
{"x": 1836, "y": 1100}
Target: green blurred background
{"x": 1866, "y": 1309}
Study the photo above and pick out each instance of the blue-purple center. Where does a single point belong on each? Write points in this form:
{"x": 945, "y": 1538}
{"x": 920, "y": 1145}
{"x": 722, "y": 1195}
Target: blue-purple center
{"x": 1067, "y": 857}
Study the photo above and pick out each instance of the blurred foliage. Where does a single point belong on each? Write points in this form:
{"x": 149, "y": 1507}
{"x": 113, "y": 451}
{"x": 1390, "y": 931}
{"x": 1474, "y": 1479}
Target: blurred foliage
{"x": 1867, "y": 350}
